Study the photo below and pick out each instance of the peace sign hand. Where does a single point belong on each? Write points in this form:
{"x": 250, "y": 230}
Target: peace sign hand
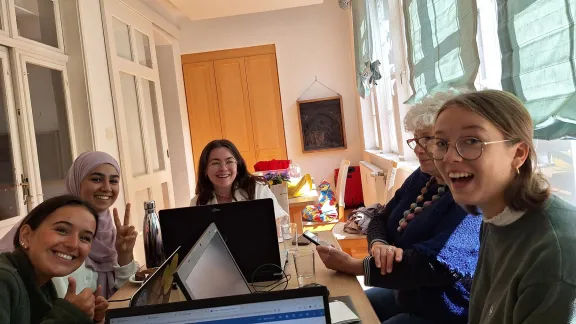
{"x": 125, "y": 237}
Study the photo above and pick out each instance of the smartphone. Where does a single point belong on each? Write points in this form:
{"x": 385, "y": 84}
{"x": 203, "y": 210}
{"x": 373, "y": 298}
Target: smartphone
{"x": 314, "y": 239}
{"x": 302, "y": 241}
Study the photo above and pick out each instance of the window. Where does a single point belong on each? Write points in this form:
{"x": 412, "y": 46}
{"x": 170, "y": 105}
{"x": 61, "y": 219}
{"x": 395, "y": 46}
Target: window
{"x": 38, "y": 21}
{"x": 556, "y": 159}
{"x": 383, "y": 99}
{"x": 375, "y": 119}
{"x": 490, "y": 71}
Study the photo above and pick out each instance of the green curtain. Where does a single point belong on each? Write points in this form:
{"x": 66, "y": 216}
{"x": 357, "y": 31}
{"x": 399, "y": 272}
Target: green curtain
{"x": 361, "y": 25}
{"x": 442, "y": 50}
{"x": 537, "y": 43}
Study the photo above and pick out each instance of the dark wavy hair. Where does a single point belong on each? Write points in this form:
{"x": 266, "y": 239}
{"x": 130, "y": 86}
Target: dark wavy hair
{"x": 37, "y": 216}
{"x": 244, "y": 180}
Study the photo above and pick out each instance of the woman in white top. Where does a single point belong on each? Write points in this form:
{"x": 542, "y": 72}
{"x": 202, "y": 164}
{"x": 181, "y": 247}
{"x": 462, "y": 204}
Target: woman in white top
{"x": 223, "y": 178}
{"x": 95, "y": 178}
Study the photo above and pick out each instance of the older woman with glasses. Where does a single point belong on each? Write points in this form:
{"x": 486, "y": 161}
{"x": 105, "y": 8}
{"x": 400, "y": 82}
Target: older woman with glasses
{"x": 223, "y": 177}
{"x": 423, "y": 245}
{"x": 526, "y": 268}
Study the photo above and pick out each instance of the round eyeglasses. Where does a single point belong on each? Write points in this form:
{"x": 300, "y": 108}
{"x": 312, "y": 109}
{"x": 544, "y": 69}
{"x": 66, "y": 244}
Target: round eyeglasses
{"x": 469, "y": 148}
{"x": 217, "y": 165}
{"x": 420, "y": 141}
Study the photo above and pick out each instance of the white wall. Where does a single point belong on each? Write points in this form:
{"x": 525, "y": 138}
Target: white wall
{"x": 178, "y": 129}
{"x": 310, "y": 41}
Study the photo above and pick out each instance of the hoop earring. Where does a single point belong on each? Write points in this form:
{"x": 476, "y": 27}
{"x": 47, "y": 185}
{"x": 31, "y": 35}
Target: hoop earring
{"x": 517, "y": 171}
{"x": 23, "y": 245}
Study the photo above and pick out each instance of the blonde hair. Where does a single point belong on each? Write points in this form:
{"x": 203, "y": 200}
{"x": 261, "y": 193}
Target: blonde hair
{"x": 529, "y": 189}
{"x": 423, "y": 114}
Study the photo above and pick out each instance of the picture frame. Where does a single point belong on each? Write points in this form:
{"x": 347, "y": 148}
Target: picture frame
{"x": 322, "y": 124}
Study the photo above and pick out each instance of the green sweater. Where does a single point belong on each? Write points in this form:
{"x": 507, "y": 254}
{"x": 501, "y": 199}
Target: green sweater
{"x": 526, "y": 271}
{"x": 23, "y": 302}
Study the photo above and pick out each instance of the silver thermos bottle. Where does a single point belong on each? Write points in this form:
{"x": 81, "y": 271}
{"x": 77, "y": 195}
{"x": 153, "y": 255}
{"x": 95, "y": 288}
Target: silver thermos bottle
{"x": 153, "y": 247}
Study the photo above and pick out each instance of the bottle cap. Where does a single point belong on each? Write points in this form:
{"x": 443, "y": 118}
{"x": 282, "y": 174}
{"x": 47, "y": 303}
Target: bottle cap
{"x": 149, "y": 204}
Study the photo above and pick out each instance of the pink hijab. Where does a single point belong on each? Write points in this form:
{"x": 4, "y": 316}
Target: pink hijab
{"x": 103, "y": 256}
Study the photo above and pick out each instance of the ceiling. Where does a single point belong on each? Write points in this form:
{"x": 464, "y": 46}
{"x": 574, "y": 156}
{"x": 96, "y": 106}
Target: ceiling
{"x": 207, "y": 9}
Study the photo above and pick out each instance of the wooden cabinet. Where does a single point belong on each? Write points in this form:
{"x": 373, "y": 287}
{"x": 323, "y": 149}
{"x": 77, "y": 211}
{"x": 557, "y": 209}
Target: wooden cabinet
{"x": 235, "y": 94}
{"x": 202, "y": 101}
{"x": 266, "y": 108}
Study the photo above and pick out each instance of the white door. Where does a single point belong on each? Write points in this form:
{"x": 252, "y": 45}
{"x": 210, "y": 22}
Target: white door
{"x": 36, "y": 146}
{"x": 138, "y": 108}
{"x": 47, "y": 130}
{"x": 14, "y": 193}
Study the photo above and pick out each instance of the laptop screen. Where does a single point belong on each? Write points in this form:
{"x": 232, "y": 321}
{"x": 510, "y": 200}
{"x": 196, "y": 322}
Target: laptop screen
{"x": 308, "y": 310}
{"x": 209, "y": 270}
{"x": 157, "y": 288}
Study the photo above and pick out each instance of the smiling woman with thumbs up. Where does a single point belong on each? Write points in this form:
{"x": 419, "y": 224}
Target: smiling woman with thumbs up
{"x": 52, "y": 241}
{"x": 95, "y": 178}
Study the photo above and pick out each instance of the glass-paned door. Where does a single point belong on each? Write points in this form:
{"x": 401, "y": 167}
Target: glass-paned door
{"x": 48, "y": 125}
{"x": 13, "y": 184}
{"x": 138, "y": 109}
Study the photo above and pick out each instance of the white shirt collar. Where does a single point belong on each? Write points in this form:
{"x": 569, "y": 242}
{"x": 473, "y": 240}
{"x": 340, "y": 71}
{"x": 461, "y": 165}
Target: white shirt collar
{"x": 506, "y": 217}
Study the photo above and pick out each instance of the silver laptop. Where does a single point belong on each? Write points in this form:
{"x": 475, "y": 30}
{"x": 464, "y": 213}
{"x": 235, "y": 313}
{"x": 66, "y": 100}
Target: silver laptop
{"x": 209, "y": 270}
{"x": 158, "y": 287}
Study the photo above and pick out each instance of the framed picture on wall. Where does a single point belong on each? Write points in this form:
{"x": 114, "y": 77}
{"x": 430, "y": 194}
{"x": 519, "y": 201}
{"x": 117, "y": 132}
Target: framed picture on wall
{"x": 321, "y": 124}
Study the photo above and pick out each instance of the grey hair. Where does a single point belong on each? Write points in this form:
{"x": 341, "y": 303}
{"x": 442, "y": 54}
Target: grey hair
{"x": 423, "y": 114}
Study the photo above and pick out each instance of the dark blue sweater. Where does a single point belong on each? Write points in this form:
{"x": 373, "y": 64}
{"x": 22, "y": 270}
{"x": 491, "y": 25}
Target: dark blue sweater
{"x": 440, "y": 253}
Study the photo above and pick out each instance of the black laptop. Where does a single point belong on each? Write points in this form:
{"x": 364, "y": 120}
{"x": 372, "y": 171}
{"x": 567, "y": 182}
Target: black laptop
{"x": 247, "y": 227}
{"x": 305, "y": 305}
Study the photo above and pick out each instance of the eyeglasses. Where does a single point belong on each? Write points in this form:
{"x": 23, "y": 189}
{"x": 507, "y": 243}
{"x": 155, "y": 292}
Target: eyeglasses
{"x": 217, "y": 165}
{"x": 421, "y": 141}
{"x": 469, "y": 148}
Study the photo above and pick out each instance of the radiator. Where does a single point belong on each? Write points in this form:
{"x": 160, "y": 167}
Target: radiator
{"x": 374, "y": 187}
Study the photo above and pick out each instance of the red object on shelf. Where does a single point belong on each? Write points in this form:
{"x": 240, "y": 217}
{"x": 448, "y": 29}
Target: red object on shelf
{"x": 353, "y": 193}
{"x": 271, "y": 165}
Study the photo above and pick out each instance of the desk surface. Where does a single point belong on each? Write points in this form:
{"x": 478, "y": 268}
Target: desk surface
{"x": 310, "y": 198}
{"x": 339, "y": 284}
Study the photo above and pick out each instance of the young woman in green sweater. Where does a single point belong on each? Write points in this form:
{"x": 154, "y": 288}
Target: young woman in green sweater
{"x": 52, "y": 241}
{"x": 526, "y": 271}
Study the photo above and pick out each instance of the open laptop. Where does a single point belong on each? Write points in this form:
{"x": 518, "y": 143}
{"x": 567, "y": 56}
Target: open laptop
{"x": 247, "y": 227}
{"x": 298, "y": 306}
{"x": 157, "y": 288}
{"x": 209, "y": 270}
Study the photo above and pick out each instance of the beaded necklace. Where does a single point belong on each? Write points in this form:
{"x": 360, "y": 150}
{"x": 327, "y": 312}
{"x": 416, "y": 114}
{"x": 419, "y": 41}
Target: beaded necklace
{"x": 415, "y": 209}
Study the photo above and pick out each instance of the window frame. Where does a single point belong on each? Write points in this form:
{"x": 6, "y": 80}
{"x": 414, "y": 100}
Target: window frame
{"x": 11, "y": 26}
{"x": 399, "y": 89}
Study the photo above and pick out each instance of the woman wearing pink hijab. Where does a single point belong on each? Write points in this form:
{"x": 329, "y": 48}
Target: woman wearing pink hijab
{"x": 95, "y": 177}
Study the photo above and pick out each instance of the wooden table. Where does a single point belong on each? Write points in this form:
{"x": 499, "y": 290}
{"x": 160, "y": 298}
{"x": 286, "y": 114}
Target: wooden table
{"x": 339, "y": 284}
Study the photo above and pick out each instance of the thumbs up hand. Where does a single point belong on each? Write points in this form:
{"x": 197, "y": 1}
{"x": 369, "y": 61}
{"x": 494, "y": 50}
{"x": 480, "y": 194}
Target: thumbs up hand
{"x": 84, "y": 301}
{"x": 100, "y": 306}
